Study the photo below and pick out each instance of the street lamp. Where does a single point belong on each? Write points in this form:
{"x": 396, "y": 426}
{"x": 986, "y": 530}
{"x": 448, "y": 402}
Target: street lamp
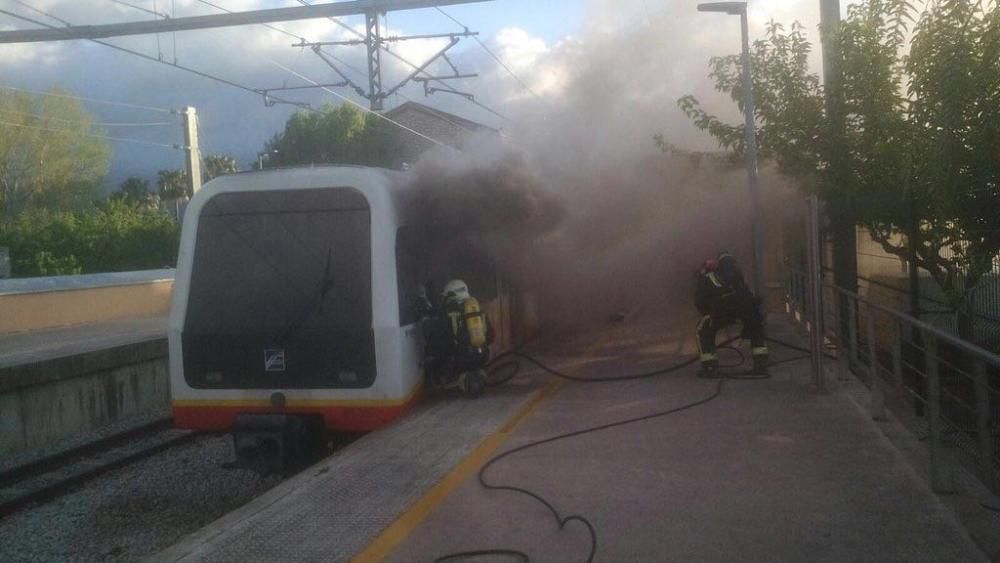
{"x": 260, "y": 158}
{"x": 740, "y": 9}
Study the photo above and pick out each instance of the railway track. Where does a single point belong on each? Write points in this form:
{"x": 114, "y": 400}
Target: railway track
{"x": 53, "y": 476}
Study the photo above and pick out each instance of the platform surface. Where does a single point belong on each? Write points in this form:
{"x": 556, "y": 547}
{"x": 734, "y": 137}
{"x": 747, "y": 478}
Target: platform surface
{"x": 768, "y": 471}
{"x": 38, "y": 346}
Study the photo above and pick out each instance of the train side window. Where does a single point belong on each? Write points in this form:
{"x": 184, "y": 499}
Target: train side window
{"x": 411, "y": 257}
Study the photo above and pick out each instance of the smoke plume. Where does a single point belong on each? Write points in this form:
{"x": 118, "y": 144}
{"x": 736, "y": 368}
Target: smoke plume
{"x": 581, "y": 206}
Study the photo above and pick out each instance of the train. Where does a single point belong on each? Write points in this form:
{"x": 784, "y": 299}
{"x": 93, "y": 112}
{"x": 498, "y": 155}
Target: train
{"x": 297, "y": 307}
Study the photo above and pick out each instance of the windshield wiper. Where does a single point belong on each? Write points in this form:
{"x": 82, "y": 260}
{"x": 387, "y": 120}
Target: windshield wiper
{"x": 326, "y": 284}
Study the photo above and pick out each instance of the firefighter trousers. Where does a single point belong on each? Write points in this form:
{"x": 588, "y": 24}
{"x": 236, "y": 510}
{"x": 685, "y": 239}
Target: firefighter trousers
{"x": 753, "y": 327}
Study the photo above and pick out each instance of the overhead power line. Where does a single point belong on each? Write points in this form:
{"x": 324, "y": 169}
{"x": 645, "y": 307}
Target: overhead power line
{"x": 140, "y": 8}
{"x": 294, "y": 36}
{"x": 365, "y": 109}
{"x": 154, "y": 59}
{"x": 96, "y": 124}
{"x": 218, "y": 20}
{"x": 324, "y": 87}
{"x": 92, "y": 100}
{"x": 94, "y": 135}
{"x": 410, "y": 64}
{"x": 495, "y": 57}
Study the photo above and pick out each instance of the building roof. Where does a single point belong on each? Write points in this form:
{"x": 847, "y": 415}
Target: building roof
{"x": 442, "y": 115}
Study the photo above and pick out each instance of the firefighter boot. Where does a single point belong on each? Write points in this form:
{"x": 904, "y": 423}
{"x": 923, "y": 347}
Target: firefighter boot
{"x": 708, "y": 366}
{"x": 760, "y": 361}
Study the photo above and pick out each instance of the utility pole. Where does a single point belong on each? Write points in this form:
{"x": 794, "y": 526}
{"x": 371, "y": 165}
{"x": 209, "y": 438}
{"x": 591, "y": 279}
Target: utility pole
{"x": 192, "y": 155}
{"x": 842, "y": 212}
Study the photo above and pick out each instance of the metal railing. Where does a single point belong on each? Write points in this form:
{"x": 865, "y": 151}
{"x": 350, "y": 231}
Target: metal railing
{"x": 944, "y": 389}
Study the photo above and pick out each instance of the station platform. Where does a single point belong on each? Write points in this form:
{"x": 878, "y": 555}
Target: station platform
{"x": 26, "y": 348}
{"x": 770, "y": 470}
{"x": 63, "y": 387}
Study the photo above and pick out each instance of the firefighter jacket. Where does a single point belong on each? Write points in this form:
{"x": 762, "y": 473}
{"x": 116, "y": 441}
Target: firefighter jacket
{"x": 719, "y": 298}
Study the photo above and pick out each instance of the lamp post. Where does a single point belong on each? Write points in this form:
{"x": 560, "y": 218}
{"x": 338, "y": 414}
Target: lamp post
{"x": 740, "y": 9}
{"x": 260, "y": 158}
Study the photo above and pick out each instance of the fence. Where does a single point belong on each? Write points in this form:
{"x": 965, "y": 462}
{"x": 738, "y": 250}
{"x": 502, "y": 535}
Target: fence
{"x": 943, "y": 388}
{"x": 873, "y": 262}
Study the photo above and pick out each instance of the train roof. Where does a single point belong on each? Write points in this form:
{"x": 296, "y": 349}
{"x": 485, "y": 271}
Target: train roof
{"x": 376, "y": 184}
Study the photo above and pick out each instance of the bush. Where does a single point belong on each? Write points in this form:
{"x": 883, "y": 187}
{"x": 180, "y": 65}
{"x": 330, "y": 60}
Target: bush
{"x": 115, "y": 236}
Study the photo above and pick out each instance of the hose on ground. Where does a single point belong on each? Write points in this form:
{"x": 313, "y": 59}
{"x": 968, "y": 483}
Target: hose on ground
{"x": 503, "y": 361}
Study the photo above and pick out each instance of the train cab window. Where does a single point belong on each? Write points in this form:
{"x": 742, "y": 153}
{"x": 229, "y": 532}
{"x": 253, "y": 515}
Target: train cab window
{"x": 281, "y": 292}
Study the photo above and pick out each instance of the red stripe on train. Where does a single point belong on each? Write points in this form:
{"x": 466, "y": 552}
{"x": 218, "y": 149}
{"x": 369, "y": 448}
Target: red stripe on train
{"x": 354, "y": 419}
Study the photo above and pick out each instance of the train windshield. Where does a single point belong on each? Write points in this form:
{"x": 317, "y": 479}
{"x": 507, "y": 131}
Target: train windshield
{"x": 280, "y": 292}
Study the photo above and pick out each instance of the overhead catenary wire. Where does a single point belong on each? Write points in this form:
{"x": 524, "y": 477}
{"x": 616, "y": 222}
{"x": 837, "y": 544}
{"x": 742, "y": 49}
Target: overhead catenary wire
{"x": 95, "y": 123}
{"x": 290, "y": 34}
{"x": 363, "y": 108}
{"x": 494, "y": 56}
{"x": 154, "y": 59}
{"x": 91, "y": 100}
{"x": 140, "y": 8}
{"x": 95, "y": 135}
{"x": 327, "y": 89}
{"x": 411, "y": 64}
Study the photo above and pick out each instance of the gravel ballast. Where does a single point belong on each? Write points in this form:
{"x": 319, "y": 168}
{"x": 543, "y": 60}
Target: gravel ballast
{"x": 135, "y": 511}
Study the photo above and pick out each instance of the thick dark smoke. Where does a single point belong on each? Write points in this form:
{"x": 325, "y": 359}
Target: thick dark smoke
{"x": 580, "y": 205}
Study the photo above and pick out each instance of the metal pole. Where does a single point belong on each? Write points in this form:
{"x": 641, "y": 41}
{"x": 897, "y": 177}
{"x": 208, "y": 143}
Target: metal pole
{"x": 942, "y": 478}
{"x": 983, "y": 426}
{"x": 373, "y": 42}
{"x": 191, "y": 151}
{"x": 815, "y": 295}
{"x": 841, "y": 211}
{"x": 751, "y": 155}
{"x": 877, "y": 392}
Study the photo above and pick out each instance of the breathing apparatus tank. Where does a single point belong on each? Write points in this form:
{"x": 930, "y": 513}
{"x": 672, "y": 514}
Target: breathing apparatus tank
{"x": 474, "y": 323}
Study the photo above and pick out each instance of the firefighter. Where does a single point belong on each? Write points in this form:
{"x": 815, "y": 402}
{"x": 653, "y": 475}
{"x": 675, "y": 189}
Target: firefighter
{"x": 458, "y": 336}
{"x": 723, "y": 298}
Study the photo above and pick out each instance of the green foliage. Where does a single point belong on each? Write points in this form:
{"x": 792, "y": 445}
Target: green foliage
{"x": 173, "y": 184}
{"x": 47, "y": 159}
{"x": 115, "y": 236}
{"x": 215, "y": 165}
{"x": 134, "y": 189}
{"x": 908, "y": 141}
{"x": 333, "y": 135}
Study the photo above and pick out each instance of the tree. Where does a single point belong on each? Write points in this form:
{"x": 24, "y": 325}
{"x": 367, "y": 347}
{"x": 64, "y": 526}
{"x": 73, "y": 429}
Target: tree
{"x": 334, "y": 134}
{"x": 173, "y": 184}
{"x": 134, "y": 189}
{"x": 920, "y": 148}
{"x": 49, "y": 157}
{"x": 217, "y": 165}
{"x": 116, "y": 235}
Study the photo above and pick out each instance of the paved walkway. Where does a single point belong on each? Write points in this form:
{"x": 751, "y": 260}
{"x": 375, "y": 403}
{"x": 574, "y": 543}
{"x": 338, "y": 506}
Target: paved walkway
{"x": 768, "y": 471}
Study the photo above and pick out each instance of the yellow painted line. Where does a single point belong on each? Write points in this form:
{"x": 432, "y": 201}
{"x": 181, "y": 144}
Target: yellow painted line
{"x": 394, "y": 535}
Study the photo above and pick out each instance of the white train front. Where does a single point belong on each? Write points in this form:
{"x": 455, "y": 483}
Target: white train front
{"x": 295, "y": 301}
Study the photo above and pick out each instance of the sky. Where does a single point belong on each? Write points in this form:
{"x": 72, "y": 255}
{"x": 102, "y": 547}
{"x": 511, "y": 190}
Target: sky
{"x": 551, "y": 45}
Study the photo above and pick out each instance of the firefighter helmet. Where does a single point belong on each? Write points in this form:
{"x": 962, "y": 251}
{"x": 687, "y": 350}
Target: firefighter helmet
{"x": 728, "y": 269}
{"x": 455, "y": 291}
